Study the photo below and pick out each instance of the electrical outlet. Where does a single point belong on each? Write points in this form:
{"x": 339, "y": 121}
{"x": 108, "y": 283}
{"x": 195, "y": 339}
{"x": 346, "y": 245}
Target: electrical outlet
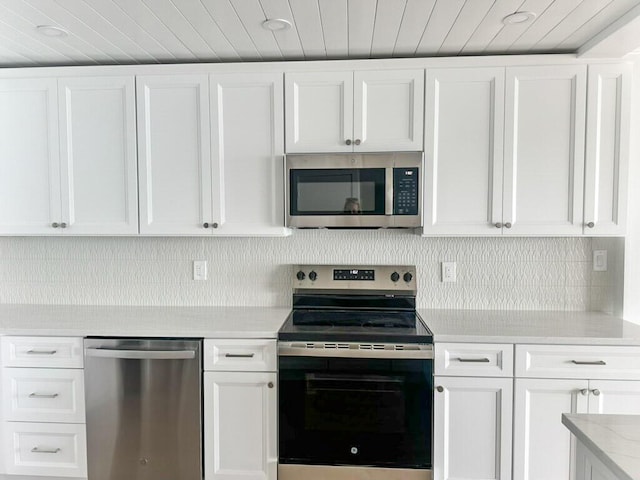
{"x": 599, "y": 260}
{"x": 449, "y": 272}
{"x": 199, "y": 269}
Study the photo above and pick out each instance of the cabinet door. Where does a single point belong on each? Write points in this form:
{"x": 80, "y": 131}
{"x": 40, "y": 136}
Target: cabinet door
{"x": 542, "y": 446}
{"x": 614, "y": 397}
{"x": 240, "y": 426}
{"x": 248, "y": 148}
{"x": 588, "y": 467}
{"x": 463, "y": 151}
{"x": 98, "y": 155}
{"x": 607, "y": 155}
{"x": 388, "y": 110}
{"x": 319, "y": 112}
{"x": 544, "y": 150}
{"x": 29, "y": 157}
{"x": 174, "y": 154}
{"x": 472, "y": 428}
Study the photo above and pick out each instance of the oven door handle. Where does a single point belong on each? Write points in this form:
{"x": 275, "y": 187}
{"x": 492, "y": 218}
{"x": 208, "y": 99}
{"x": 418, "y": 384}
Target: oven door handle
{"x": 354, "y": 350}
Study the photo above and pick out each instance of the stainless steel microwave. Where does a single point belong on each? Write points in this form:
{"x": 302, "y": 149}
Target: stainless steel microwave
{"x": 368, "y": 190}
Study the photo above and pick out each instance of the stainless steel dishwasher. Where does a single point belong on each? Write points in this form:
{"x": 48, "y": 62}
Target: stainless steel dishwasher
{"x": 143, "y": 400}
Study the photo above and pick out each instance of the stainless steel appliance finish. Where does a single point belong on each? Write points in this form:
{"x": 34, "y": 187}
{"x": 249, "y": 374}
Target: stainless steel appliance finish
{"x": 367, "y": 190}
{"x": 355, "y": 368}
{"x": 143, "y": 400}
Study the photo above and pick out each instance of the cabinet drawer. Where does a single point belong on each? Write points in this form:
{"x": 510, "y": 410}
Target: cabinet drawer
{"x": 45, "y": 449}
{"x": 578, "y": 361}
{"x": 43, "y": 395}
{"x": 47, "y": 352}
{"x": 240, "y": 355}
{"x": 473, "y": 359}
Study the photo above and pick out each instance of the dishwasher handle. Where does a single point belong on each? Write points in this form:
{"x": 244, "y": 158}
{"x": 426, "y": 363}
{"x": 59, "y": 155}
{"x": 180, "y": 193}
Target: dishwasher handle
{"x": 140, "y": 354}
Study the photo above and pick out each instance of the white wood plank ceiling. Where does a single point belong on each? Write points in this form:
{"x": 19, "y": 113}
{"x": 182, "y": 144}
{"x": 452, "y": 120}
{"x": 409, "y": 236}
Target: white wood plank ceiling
{"x": 177, "y": 31}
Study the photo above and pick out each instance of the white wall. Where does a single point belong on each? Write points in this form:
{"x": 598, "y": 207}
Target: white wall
{"x": 632, "y": 241}
{"x": 493, "y": 273}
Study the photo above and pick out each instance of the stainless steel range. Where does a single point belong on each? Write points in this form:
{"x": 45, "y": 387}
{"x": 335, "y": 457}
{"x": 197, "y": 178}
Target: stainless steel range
{"x": 355, "y": 367}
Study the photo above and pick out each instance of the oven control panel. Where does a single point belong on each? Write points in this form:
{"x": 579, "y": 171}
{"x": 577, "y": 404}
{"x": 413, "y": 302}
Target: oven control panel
{"x": 397, "y": 278}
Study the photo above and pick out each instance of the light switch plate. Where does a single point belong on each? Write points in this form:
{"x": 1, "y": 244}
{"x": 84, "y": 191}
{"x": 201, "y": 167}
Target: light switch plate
{"x": 199, "y": 269}
{"x": 599, "y": 260}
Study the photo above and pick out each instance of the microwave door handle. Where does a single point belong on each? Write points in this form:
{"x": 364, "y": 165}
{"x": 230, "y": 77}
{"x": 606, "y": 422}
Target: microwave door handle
{"x": 388, "y": 183}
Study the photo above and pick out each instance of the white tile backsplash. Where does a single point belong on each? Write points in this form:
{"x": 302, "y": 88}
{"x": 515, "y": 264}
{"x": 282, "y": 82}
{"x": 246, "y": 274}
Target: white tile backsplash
{"x": 493, "y": 273}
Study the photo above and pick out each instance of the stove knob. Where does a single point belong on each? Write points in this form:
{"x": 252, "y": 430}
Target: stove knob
{"x": 312, "y": 276}
{"x": 407, "y": 277}
{"x": 395, "y": 277}
{"x": 300, "y": 275}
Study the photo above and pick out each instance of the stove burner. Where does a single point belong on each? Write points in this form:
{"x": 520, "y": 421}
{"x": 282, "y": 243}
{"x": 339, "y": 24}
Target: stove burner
{"x": 342, "y": 318}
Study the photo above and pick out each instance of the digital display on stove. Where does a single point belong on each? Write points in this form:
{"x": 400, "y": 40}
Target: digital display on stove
{"x": 354, "y": 275}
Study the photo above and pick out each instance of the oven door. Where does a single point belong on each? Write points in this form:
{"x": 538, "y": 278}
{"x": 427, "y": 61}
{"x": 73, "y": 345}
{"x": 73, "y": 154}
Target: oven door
{"x": 354, "y": 411}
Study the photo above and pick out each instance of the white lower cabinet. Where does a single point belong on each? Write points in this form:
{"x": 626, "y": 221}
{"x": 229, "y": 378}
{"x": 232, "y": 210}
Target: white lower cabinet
{"x": 43, "y": 413}
{"x": 240, "y": 411}
{"x": 588, "y": 467}
{"x": 472, "y": 428}
{"x": 542, "y": 446}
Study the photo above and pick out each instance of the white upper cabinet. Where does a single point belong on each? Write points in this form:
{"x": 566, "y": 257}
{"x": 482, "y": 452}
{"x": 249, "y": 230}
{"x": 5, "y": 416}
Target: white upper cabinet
{"x": 544, "y": 150}
{"x": 365, "y": 111}
{"x": 607, "y": 149}
{"x": 463, "y": 151}
{"x": 247, "y": 121}
{"x": 174, "y": 148}
{"x": 98, "y": 155}
{"x": 29, "y": 157}
{"x": 68, "y": 156}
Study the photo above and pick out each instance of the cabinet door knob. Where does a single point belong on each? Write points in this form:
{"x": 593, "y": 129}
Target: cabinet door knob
{"x": 55, "y": 224}
{"x": 357, "y": 142}
{"x": 498, "y": 225}
{"x": 440, "y": 388}
{"x": 596, "y": 392}
{"x": 591, "y": 224}
{"x": 348, "y": 142}
{"x": 584, "y": 392}
{"x": 205, "y": 225}
{"x": 214, "y": 225}
{"x": 270, "y": 384}
{"x": 63, "y": 225}
{"x": 507, "y": 225}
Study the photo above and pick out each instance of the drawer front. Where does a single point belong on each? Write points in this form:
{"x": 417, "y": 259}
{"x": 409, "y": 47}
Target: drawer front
{"x": 43, "y": 395}
{"x": 240, "y": 355}
{"x": 58, "y": 450}
{"x": 474, "y": 359}
{"x": 47, "y": 352}
{"x": 578, "y": 361}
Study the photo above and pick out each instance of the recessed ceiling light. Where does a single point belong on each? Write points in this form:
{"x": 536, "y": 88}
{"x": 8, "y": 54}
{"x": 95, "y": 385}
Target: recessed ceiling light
{"x": 52, "y": 31}
{"x": 518, "y": 17}
{"x": 276, "y": 24}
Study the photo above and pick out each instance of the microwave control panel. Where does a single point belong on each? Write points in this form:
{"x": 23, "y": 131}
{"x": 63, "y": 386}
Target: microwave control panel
{"x": 405, "y": 191}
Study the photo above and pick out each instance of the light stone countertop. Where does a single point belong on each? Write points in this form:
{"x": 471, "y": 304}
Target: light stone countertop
{"x": 78, "y": 320}
{"x": 543, "y": 327}
{"x": 612, "y": 439}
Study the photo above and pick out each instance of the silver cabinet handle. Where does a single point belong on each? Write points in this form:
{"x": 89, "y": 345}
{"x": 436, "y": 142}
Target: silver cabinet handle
{"x": 498, "y": 225}
{"x": 63, "y": 225}
{"x": 507, "y": 225}
{"x": 205, "y": 225}
{"x": 43, "y": 395}
{"x": 41, "y": 352}
{"x": 584, "y": 392}
{"x": 440, "y": 388}
{"x": 55, "y": 224}
{"x": 474, "y": 360}
{"x": 44, "y": 450}
{"x": 214, "y": 225}
{"x": 357, "y": 142}
{"x": 595, "y": 362}
{"x": 239, "y": 355}
{"x": 596, "y": 392}
{"x": 210, "y": 225}
{"x": 348, "y": 142}
{"x": 270, "y": 384}
{"x": 140, "y": 354}
{"x": 591, "y": 224}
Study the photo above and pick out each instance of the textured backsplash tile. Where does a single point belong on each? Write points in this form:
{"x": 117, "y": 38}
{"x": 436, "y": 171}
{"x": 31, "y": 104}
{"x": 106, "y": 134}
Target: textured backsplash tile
{"x": 493, "y": 273}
